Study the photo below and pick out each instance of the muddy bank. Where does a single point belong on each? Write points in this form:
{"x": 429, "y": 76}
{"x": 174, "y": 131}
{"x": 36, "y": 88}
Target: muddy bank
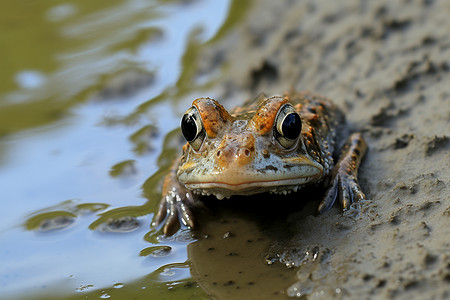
{"x": 387, "y": 65}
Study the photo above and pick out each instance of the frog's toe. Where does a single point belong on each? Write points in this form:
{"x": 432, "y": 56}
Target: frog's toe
{"x": 172, "y": 224}
{"x": 180, "y": 213}
{"x": 330, "y": 196}
{"x": 161, "y": 215}
{"x": 187, "y": 217}
{"x": 167, "y": 214}
{"x": 173, "y": 211}
{"x": 350, "y": 191}
{"x": 358, "y": 194}
{"x": 345, "y": 195}
{"x": 346, "y": 188}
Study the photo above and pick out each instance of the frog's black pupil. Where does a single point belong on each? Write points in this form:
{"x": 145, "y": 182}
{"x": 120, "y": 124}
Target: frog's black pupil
{"x": 189, "y": 127}
{"x": 292, "y": 125}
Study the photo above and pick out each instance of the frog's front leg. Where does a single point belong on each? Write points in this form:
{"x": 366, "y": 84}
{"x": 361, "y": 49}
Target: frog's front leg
{"x": 344, "y": 182}
{"x": 175, "y": 204}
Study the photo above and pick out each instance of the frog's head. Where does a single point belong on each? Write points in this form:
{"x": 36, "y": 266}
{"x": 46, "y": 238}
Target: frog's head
{"x": 257, "y": 151}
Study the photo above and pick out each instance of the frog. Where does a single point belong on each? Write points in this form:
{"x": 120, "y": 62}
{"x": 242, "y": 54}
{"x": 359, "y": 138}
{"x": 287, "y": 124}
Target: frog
{"x": 276, "y": 145}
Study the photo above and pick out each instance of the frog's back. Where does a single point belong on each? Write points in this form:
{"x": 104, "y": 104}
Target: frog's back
{"x": 249, "y": 108}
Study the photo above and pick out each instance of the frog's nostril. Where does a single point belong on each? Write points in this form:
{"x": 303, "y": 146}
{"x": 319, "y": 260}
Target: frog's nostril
{"x": 244, "y": 152}
{"x": 218, "y": 153}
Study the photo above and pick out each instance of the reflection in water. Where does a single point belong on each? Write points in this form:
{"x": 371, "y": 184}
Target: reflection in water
{"x": 62, "y": 137}
{"x": 61, "y": 215}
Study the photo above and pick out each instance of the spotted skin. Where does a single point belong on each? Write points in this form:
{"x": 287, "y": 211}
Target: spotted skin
{"x": 244, "y": 153}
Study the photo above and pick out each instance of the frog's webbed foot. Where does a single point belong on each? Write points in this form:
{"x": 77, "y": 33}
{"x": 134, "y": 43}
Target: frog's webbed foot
{"x": 345, "y": 187}
{"x": 174, "y": 208}
{"x": 344, "y": 183}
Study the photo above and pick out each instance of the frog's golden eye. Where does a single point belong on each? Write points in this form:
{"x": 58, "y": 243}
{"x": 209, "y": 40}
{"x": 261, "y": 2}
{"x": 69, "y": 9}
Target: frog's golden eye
{"x": 192, "y": 128}
{"x": 288, "y": 126}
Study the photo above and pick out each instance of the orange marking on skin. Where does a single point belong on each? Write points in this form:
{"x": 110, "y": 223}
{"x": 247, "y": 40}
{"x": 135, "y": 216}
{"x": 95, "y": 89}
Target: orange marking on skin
{"x": 263, "y": 120}
{"x": 298, "y": 107}
{"x": 214, "y": 115}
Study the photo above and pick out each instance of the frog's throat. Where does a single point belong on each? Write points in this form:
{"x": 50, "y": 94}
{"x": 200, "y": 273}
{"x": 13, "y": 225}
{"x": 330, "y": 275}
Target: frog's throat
{"x": 225, "y": 190}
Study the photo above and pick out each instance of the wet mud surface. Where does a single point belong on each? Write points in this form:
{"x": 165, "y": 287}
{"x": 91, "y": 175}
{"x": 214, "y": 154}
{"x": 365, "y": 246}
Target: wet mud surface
{"x": 387, "y": 65}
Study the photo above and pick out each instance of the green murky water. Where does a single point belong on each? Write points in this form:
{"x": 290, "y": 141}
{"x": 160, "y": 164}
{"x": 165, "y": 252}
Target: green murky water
{"x": 90, "y": 98}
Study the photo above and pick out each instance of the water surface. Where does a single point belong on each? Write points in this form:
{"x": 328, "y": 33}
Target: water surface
{"x": 91, "y": 96}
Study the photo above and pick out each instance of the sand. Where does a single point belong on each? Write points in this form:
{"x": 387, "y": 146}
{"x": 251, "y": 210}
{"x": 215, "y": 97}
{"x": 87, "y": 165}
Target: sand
{"x": 386, "y": 64}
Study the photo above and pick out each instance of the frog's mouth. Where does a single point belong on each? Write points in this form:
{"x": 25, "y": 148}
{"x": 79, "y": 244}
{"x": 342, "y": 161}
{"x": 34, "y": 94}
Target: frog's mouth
{"x": 282, "y": 176}
{"x": 225, "y": 190}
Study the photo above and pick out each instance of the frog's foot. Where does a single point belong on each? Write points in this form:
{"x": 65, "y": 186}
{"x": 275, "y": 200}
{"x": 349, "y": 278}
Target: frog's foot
{"x": 173, "y": 210}
{"x": 344, "y": 181}
{"x": 174, "y": 207}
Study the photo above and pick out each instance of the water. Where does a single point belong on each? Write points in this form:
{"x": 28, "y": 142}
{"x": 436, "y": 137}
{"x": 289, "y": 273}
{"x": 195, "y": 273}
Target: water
{"x": 91, "y": 96}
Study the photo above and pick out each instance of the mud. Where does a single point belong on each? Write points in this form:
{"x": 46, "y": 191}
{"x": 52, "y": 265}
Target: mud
{"x": 387, "y": 64}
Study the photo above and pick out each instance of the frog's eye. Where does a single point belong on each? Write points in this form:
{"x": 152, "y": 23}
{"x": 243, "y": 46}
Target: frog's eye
{"x": 192, "y": 128}
{"x": 288, "y": 126}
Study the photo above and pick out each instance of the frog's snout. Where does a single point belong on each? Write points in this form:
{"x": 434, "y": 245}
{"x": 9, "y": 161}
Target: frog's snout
{"x": 236, "y": 149}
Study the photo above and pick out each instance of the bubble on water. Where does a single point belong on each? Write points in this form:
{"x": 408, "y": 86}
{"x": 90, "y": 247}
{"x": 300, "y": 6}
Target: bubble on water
{"x": 168, "y": 272}
{"x": 300, "y": 289}
{"x": 30, "y": 79}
